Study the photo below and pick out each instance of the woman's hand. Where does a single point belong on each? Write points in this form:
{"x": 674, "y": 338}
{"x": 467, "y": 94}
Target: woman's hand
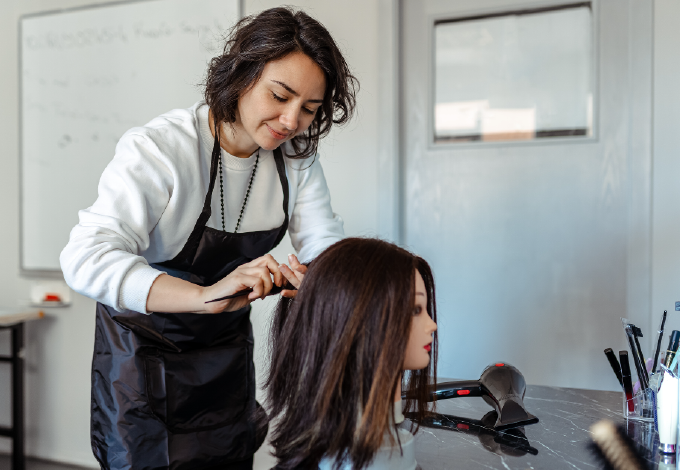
{"x": 257, "y": 274}
{"x": 294, "y": 275}
{"x": 174, "y": 295}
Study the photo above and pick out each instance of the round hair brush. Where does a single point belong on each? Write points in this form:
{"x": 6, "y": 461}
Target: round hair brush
{"x": 613, "y": 448}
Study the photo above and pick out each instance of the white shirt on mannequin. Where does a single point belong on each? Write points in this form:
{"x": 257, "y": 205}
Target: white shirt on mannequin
{"x": 388, "y": 457}
{"x": 152, "y": 192}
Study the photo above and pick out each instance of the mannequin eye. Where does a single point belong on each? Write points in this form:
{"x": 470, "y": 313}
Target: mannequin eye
{"x": 417, "y": 310}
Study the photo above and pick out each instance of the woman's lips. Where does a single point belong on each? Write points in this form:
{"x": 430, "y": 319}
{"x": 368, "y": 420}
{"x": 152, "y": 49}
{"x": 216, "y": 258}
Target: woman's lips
{"x": 275, "y": 134}
{"x": 428, "y": 348}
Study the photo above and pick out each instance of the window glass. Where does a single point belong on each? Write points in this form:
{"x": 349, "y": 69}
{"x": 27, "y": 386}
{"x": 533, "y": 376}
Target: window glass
{"x": 516, "y": 76}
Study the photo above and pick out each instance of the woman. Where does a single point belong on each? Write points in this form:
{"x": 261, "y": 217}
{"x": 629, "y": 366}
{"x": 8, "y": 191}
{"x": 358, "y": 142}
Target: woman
{"x": 170, "y": 388}
{"x": 364, "y": 313}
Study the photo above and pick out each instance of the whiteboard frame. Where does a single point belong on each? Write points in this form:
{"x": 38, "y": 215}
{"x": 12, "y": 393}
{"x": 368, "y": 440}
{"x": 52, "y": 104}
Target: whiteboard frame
{"x": 23, "y": 270}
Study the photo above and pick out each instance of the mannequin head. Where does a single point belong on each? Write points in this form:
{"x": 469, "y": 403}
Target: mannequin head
{"x": 363, "y": 314}
{"x": 243, "y": 85}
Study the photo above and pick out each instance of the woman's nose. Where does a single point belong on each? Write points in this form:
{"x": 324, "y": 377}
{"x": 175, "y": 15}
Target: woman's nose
{"x": 289, "y": 118}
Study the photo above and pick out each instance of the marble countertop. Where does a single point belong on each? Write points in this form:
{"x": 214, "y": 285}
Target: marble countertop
{"x": 558, "y": 441}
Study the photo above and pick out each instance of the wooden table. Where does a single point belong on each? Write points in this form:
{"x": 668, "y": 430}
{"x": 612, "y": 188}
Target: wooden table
{"x": 14, "y": 323}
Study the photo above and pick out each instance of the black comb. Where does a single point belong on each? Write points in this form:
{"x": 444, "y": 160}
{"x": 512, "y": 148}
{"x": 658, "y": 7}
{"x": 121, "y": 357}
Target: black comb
{"x": 275, "y": 290}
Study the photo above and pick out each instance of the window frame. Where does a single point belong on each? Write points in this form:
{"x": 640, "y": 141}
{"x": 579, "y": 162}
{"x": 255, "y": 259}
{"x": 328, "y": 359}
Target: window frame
{"x": 447, "y": 144}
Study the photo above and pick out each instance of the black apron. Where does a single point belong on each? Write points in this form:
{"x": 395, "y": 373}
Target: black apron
{"x": 177, "y": 390}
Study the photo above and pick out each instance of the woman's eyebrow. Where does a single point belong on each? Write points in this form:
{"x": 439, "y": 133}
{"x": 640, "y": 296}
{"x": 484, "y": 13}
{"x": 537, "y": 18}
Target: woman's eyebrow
{"x": 420, "y": 293}
{"x": 293, "y": 92}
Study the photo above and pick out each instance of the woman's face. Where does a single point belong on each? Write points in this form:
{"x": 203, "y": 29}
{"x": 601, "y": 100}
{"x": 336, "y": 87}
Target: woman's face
{"x": 422, "y": 327}
{"x": 282, "y": 103}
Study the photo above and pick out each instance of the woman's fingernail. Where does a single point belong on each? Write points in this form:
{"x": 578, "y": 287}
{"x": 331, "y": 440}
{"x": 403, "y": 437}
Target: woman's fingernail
{"x": 291, "y": 256}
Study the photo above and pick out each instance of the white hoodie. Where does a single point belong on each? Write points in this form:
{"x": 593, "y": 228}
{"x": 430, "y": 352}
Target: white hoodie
{"x": 152, "y": 192}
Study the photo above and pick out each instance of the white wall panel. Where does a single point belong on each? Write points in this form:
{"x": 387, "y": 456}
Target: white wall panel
{"x": 666, "y": 177}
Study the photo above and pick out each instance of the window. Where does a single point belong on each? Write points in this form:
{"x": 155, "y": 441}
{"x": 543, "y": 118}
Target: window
{"x": 512, "y": 76}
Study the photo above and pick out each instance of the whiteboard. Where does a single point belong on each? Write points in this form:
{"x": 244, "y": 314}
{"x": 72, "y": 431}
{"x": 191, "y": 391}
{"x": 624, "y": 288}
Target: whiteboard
{"x": 87, "y": 75}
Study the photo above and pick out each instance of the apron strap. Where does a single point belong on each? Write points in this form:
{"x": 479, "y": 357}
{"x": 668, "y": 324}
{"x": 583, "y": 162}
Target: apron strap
{"x": 281, "y": 170}
{"x": 187, "y": 253}
{"x": 190, "y": 247}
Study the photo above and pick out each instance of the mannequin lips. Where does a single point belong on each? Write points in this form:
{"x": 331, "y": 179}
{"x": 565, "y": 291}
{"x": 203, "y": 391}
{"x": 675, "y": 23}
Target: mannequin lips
{"x": 428, "y": 347}
{"x": 277, "y": 135}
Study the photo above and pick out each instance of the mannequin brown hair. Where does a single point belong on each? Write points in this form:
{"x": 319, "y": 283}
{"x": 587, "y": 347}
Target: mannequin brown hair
{"x": 271, "y": 35}
{"x": 337, "y": 354}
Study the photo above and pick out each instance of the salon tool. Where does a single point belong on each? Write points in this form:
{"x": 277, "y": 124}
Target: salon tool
{"x": 275, "y": 290}
{"x": 616, "y": 367}
{"x": 613, "y": 448}
{"x": 667, "y": 411}
{"x": 674, "y": 364}
{"x": 637, "y": 333}
{"x": 672, "y": 347}
{"x": 625, "y": 376}
{"x": 509, "y": 442}
{"x": 639, "y": 366}
{"x": 659, "y": 338}
{"x": 501, "y": 385}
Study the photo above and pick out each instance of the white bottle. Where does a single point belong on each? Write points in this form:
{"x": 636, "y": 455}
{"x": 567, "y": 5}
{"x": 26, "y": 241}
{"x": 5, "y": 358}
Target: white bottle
{"x": 667, "y": 411}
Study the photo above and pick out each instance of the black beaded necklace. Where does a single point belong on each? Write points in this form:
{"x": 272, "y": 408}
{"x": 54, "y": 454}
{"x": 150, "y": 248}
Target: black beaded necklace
{"x": 245, "y": 200}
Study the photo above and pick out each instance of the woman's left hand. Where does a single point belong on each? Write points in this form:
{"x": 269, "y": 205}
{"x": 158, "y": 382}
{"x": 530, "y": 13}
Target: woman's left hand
{"x": 295, "y": 273}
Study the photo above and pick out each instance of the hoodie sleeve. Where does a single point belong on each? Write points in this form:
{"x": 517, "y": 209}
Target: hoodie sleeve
{"x": 313, "y": 225}
{"x": 102, "y": 258}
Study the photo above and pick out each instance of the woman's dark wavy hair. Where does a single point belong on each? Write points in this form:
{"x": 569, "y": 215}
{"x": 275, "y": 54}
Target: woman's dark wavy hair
{"x": 271, "y": 35}
{"x": 337, "y": 354}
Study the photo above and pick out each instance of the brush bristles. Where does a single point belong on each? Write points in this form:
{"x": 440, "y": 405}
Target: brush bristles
{"x": 615, "y": 449}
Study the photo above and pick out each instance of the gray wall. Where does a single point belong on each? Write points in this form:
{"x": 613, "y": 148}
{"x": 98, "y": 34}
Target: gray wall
{"x": 666, "y": 170}
{"x": 538, "y": 247}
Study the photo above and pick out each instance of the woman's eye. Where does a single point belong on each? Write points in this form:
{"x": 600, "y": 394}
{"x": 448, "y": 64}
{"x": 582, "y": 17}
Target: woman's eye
{"x": 278, "y": 98}
{"x": 307, "y": 111}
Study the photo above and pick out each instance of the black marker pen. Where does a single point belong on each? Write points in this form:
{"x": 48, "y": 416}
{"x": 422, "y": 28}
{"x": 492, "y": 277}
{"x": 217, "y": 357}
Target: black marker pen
{"x": 658, "y": 341}
{"x": 614, "y": 363}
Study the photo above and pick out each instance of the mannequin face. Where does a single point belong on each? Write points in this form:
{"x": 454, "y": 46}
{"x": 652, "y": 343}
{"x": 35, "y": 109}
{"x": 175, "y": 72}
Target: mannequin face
{"x": 281, "y": 105}
{"x": 422, "y": 327}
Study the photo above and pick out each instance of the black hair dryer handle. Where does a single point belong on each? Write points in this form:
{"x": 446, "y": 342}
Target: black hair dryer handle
{"x": 461, "y": 388}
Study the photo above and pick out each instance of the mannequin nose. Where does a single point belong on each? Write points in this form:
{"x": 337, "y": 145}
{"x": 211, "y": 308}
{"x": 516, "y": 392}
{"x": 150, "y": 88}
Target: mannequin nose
{"x": 433, "y": 325}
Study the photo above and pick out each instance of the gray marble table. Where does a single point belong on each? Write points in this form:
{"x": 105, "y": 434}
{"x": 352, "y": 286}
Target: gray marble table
{"x": 558, "y": 441}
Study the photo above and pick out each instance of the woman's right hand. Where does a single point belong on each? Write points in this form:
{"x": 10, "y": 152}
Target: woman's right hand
{"x": 257, "y": 274}
{"x": 174, "y": 295}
